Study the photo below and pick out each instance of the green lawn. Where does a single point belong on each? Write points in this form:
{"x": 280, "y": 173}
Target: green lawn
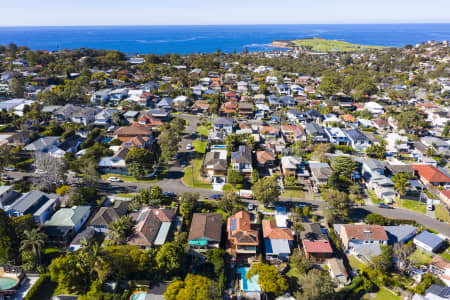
{"x": 228, "y": 187}
{"x": 373, "y": 197}
{"x": 294, "y": 192}
{"x": 199, "y": 146}
{"x": 198, "y": 181}
{"x": 203, "y": 131}
{"x": 384, "y": 294}
{"x": 130, "y": 195}
{"x": 354, "y": 262}
{"x": 412, "y": 205}
{"x": 420, "y": 258}
{"x": 441, "y": 213}
{"x": 323, "y": 45}
{"x": 446, "y": 254}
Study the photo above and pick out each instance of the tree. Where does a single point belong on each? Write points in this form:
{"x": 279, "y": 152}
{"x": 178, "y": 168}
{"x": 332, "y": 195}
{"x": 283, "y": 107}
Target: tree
{"x": 140, "y": 156}
{"x": 330, "y": 83}
{"x": 383, "y": 262}
{"x": 51, "y": 170}
{"x": 188, "y": 202}
{"x": 170, "y": 258}
{"x": 18, "y": 87}
{"x": 411, "y": 120}
{"x": 339, "y": 202}
{"x": 9, "y": 242}
{"x": 136, "y": 170}
{"x": 234, "y": 177}
{"x": 192, "y": 288}
{"x": 316, "y": 285}
{"x": 90, "y": 174}
{"x": 300, "y": 262}
{"x": 266, "y": 190}
{"x": 82, "y": 196}
{"x": 344, "y": 165}
{"x": 216, "y": 257}
{"x": 228, "y": 202}
{"x": 121, "y": 229}
{"x": 400, "y": 183}
{"x": 34, "y": 240}
{"x": 446, "y": 130}
{"x": 403, "y": 253}
{"x": 269, "y": 279}
{"x": 376, "y": 151}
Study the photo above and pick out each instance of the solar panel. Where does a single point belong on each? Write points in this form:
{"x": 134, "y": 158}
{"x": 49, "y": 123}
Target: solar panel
{"x": 233, "y": 224}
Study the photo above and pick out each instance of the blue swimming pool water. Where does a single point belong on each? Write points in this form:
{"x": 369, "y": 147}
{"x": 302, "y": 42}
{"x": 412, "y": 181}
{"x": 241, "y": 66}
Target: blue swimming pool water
{"x": 138, "y": 296}
{"x": 6, "y": 283}
{"x": 248, "y": 285}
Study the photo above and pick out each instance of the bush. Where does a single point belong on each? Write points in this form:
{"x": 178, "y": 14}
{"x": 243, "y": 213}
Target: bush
{"x": 33, "y": 292}
{"x": 83, "y": 195}
{"x": 62, "y": 190}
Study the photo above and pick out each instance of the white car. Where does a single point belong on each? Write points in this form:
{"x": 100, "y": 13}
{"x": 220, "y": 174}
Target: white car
{"x": 10, "y": 169}
{"x": 189, "y": 147}
{"x": 114, "y": 179}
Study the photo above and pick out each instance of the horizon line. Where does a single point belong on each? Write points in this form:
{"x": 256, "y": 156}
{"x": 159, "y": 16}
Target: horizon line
{"x": 255, "y": 24}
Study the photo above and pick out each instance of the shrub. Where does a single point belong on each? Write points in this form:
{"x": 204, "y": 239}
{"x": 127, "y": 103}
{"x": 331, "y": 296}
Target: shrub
{"x": 32, "y": 293}
{"x": 62, "y": 190}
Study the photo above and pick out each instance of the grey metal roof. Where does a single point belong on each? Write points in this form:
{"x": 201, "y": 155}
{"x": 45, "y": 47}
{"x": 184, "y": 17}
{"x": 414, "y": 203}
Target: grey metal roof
{"x": 29, "y": 199}
{"x": 399, "y": 233}
{"x": 356, "y": 135}
{"x": 439, "y": 290}
{"x": 277, "y": 246}
{"x": 373, "y": 163}
{"x": 429, "y": 239}
{"x": 42, "y": 143}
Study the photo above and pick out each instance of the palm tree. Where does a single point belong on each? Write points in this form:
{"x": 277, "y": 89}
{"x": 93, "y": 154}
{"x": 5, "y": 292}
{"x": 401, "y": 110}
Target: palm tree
{"x": 121, "y": 229}
{"x": 33, "y": 240}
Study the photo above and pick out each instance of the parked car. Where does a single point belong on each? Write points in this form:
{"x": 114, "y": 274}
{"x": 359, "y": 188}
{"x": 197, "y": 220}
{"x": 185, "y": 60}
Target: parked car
{"x": 383, "y": 205}
{"x": 10, "y": 169}
{"x": 215, "y": 197}
{"x": 169, "y": 194}
{"x": 251, "y": 206}
{"x": 184, "y": 164}
{"x": 6, "y": 177}
{"x": 430, "y": 206}
{"x": 114, "y": 179}
{"x": 189, "y": 147}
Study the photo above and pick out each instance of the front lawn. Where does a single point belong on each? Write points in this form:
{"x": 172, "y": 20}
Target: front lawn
{"x": 199, "y": 146}
{"x": 293, "y": 192}
{"x": 195, "y": 181}
{"x": 373, "y": 197}
{"x": 420, "y": 258}
{"x": 385, "y": 294}
{"x": 446, "y": 254}
{"x": 441, "y": 213}
{"x": 203, "y": 131}
{"x": 412, "y": 205}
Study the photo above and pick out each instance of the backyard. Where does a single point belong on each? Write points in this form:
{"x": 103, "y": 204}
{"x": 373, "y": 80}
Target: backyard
{"x": 293, "y": 192}
{"x": 195, "y": 180}
{"x": 420, "y": 258}
{"x": 441, "y": 213}
{"x": 385, "y": 294}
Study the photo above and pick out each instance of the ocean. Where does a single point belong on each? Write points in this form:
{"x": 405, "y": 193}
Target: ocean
{"x": 204, "y": 39}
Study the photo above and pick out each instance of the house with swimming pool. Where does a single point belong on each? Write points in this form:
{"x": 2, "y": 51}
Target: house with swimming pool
{"x": 243, "y": 240}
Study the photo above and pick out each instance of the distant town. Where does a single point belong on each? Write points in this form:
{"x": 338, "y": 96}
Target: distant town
{"x": 315, "y": 172}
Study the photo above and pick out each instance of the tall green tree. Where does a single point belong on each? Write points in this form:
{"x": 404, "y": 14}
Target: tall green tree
{"x": 316, "y": 285}
{"x": 122, "y": 229}
{"x": 34, "y": 240}
{"x": 269, "y": 279}
{"x": 266, "y": 190}
{"x": 9, "y": 242}
{"x": 194, "y": 287}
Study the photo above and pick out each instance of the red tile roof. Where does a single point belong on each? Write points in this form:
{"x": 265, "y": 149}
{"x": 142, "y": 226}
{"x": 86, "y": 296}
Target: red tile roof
{"x": 317, "y": 246}
{"x": 271, "y": 231}
{"x": 431, "y": 173}
{"x": 446, "y": 193}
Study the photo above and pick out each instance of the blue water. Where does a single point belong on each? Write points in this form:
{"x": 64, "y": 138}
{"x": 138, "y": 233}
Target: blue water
{"x": 248, "y": 285}
{"x": 138, "y": 296}
{"x": 192, "y": 39}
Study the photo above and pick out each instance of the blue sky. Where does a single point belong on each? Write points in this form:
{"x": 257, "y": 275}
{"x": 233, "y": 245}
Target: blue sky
{"x": 203, "y": 12}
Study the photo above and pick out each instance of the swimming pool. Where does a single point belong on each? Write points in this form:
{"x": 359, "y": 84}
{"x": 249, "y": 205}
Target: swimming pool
{"x": 7, "y": 283}
{"x": 138, "y": 296}
{"x": 248, "y": 285}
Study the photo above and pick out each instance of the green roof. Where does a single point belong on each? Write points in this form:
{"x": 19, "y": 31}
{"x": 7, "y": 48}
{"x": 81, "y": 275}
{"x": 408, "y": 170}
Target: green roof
{"x": 198, "y": 242}
{"x": 68, "y": 216}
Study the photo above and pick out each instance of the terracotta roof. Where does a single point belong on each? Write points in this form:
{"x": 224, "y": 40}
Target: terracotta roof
{"x": 239, "y": 229}
{"x": 271, "y": 231}
{"x": 446, "y": 193}
{"x": 365, "y": 232}
{"x": 268, "y": 130}
{"x": 135, "y": 129}
{"x": 348, "y": 118}
{"x": 136, "y": 141}
{"x": 381, "y": 122}
{"x": 440, "y": 263}
{"x": 317, "y": 246}
{"x": 431, "y": 173}
{"x": 149, "y": 120}
{"x": 201, "y": 104}
{"x": 264, "y": 156}
{"x": 206, "y": 226}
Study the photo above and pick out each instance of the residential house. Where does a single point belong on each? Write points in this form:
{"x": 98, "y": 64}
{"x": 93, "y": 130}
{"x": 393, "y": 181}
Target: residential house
{"x": 76, "y": 114}
{"x": 428, "y": 242}
{"x": 337, "y": 136}
{"x": 444, "y": 196}
{"x": 125, "y": 133}
{"x": 315, "y": 132}
{"x": 36, "y": 203}
{"x": 7, "y": 194}
{"x": 293, "y": 133}
{"x": 277, "y": 241}
{"x": 291, "y": 165}
{"x": 440, "y": 267}
{"x": 265, "y": 159}
{"x": 245, "y": 110}
{"x": 381, "y": 124}
{"x": 215, "y": 165}
{"x": 224, "y": 124}
{"x": 79, "y": 241}
{"x": 103, "y": 118}
{"x": 165, "y": 103}
{"x": 315, "y": 242}
{"x": 43, "y": 144}
{"x": 160, "y": 114}
{"x": 374, "y": 108}
{"x": 400, "y": 234}
{"x": 200, "y": 106}
{"x": 363, "y": 240}
{"x": 396, "y": 143}
{"x": 105, "y": 216}
{"x": 357, "y": 139}
{"x": 372, "y": 168}
{"x": 229, "y": 108}
{"x": 320, "y": 172}
{"x": 150, "y": 121}
{"x": 438, "y": 145}
{"x": 383, "y": 187}
{"x": 430, "y": 175}
{"x": 66, "y": 222}
{"x": 100, "y": 96}
{"x": 241, "y": 160}
{"x": 337, "y": 271}
{"x": 269, "y": 132}
{"x": 437, "y": 292}
{"x": 243, "y": 239}
{"x": 205, "y": 232}
{"x": 152, "y": 227}
{"x": 115, "y": 164}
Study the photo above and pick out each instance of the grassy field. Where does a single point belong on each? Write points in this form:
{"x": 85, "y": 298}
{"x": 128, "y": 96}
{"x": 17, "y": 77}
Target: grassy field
{"x": 294, "y": 193}
{"x": 203, "y": 131}
{"x": 198, "y": 182}
{"x": 412, "y": 205}
{"x": 446, "y": 254}
{"x": 420, "y": 258}
{"x": 322, "y": 45}
{"x": 441, "y": 213}
{"x": 384, "y": 294}
{"x": 199, "y": 146}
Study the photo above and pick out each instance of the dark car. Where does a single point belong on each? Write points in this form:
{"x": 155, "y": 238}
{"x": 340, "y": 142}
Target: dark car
{"x": 169, "y": 194}
{"x": 382, "y": 205}
{"x": 215, "y": 197}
